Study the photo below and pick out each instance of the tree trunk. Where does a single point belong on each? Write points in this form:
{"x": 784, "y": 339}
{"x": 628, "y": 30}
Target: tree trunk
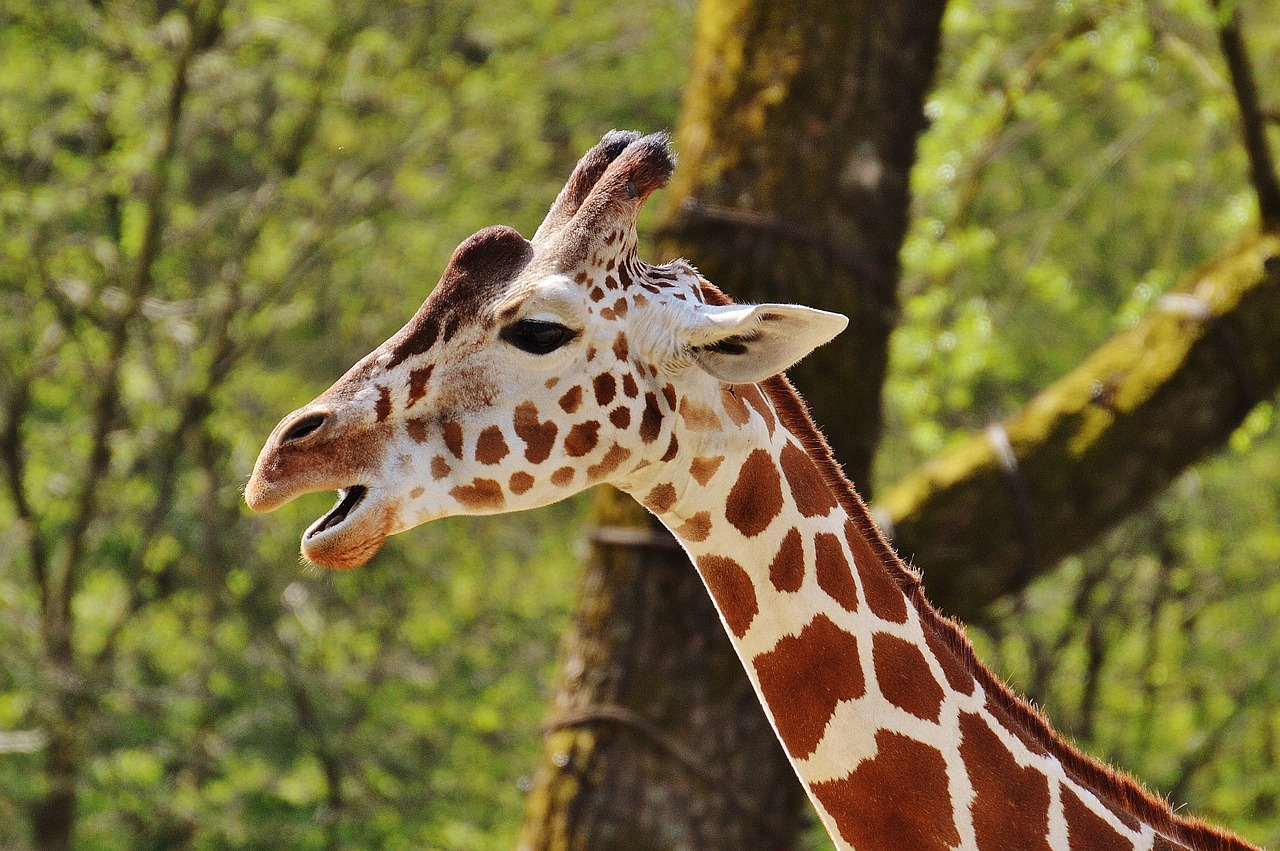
{"x": 797, "y": 140}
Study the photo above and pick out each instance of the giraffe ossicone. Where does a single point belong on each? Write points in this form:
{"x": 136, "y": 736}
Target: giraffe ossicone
{"x": 537, "y": 368}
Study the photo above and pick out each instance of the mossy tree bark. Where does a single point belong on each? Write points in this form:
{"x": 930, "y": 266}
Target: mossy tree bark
{"x": 1100, "y": 443}
{"x": 796, "y": 141}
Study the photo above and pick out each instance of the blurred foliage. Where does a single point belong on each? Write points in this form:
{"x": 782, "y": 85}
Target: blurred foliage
{"x": 207, "y": 212}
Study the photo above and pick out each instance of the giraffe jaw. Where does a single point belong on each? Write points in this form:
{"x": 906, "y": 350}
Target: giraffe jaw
{"x": 351, "y": 532}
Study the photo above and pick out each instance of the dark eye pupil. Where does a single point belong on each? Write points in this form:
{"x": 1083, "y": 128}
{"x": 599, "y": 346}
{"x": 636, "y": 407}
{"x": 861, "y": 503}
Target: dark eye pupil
{"x": 536, "y": 337}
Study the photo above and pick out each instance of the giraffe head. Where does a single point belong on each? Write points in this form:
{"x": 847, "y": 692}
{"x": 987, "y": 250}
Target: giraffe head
{"x": 535, "y": 369}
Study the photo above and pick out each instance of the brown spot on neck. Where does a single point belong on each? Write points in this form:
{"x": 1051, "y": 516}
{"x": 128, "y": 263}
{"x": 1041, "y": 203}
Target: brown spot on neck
{"x": 884, "y": 597}
{"x": 804, "y": 677}
{"x": 786, "y": 571}
{"x": 833, "y": 573}
{"x": 702, "y": 469}
{"x": 699, "y": 417}
{"x": 895, "y": 801}
{"x": 904, "y": 677}
{"x": 1088, "y": 831}
{"x": 661, "y": 498}
{"x": 732, "y": 590}
{"x": 734, "y": 407}
{"x": 812, "y": 496}
{"x": 1011, "y": 807}
{"x": 696, "y": 529}
{"x": 756, "y": 497}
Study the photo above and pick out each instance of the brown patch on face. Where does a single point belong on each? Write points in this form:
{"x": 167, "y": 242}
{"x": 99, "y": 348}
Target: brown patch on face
{"x": 810, "y": 491}
{"x": 651, "y": 419}
{"x": 481, "y": 495}
{"x": 490, "y": 446}
{"x": 418, "y": 379}
{"x": 833, "y": 573}
{"x": 453, "y": 437}
{"x": 629, "y": 386}
{"x": 417, "y": 492}
{"x": 562, "y": 476}
{"x": 1086, "y": 830}
{"x": 750, "y": 394}
{"x": 605, "y": 387}
{"x": 699, "y": 417}
{"x": 620, "y": 416}
{"x": 621, "y": 350}
{"x": 620, "y": 307}
{"x": 733, "y": 406}
{"x": 520, "y": 483}
{"x": 1011, "y": 807}
{"x": 904, "y": 677}
{"x": 610, "y": 462}
{"x": 958, "y": 678}
{"x": 697, "y": 528}
{"x": 661, "y": 498}
{"x": 786, "y": 571}
{"x": 383, "y": 406}
{"x": 732, "y": 590}
{"x": 571, "y": 400}
{"x": 883, "y": 594}
{"x": 439, "y": 468}
{"x": 582, "y": 438}
{"x": 672, "y": 448}
{"x": 551, "y": 382}
{"x": 702, "y": 469}
{"x": 596, "y": 293}
{"x": 804, "y": 677}
{"x": 756, "y": 497}
{"x": 866, "y": 805}
{"x": 539, "y": 437}
{"x": 591, "y": 352}
{"x": 417, "y": 428}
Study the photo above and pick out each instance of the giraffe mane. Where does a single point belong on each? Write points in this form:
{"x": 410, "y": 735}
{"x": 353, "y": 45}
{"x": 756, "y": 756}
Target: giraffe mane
{"x": 1114, "y": 787}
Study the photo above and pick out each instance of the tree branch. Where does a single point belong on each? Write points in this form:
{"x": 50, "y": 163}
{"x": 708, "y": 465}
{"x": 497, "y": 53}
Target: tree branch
{"x": 1253, "y": 120}
{"x": 1102, "y": 441}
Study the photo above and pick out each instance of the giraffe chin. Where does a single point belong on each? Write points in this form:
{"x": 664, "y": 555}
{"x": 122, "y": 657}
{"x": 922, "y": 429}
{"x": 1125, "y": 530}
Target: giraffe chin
{"x": 351, "y": 533}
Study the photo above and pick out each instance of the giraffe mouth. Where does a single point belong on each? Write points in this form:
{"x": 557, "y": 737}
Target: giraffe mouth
{"x": 350, "y": 499}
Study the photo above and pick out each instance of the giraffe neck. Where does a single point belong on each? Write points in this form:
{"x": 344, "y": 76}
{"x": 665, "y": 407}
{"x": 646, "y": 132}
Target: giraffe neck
{"x": 901, "y": 738}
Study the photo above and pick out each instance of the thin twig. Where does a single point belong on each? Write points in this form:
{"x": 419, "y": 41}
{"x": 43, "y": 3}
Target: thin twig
{"x": 1262, "y": 170}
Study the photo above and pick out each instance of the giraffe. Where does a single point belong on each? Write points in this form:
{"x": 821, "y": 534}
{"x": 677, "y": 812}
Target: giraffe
{"x": 537, "y": 368}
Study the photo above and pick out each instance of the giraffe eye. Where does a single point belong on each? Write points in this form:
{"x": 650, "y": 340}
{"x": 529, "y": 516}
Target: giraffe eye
{"x": 537, "y": 337}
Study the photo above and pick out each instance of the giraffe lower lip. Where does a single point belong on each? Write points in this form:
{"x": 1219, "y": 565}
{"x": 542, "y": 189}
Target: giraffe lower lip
{"x": 350, "y": 499}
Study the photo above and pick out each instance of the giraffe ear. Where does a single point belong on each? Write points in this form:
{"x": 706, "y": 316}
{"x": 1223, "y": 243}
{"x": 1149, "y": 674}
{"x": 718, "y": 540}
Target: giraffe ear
{"x": 744, "y": 344}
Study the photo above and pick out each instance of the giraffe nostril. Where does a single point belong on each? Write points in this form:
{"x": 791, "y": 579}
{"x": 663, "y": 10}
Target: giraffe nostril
{"x": 303, "y": 427}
